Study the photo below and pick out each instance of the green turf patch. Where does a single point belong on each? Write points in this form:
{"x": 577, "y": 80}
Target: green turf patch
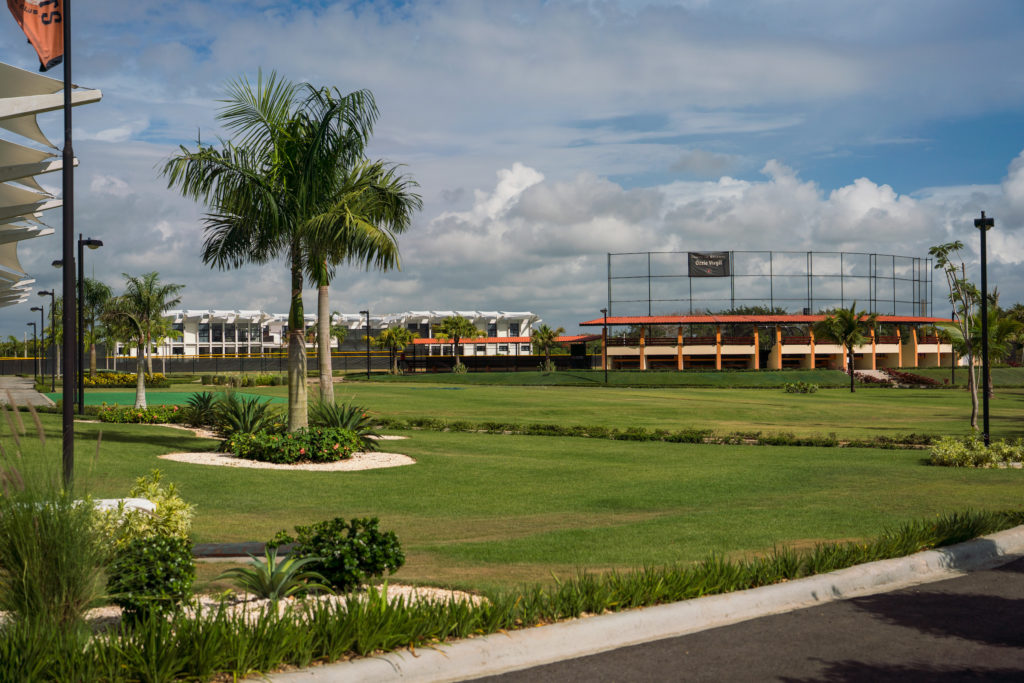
{"x": 624, "y": 378}
{"x": 156, "y": 397}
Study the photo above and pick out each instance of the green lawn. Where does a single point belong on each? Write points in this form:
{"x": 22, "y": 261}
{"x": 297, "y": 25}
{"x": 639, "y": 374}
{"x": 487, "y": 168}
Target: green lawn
{"x": 1001, "y": 377}
{"x": 622, "y": 378}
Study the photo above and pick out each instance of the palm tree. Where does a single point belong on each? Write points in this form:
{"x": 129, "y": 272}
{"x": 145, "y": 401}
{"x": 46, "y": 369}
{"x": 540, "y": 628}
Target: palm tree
{"x": 456, "y": 327}
{"x": 846, "y": 327}
{"x": 371, "y": 205}
{"x": 94, "y": 300}
{"x": 138, "y": 313}
{"x": 394, "y": 339}
{"x": 543, "y": 340}
{"x": 1003, "y": 330}
{"x": 280, "y": 190}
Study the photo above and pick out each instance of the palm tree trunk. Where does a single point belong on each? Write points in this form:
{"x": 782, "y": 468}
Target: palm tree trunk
{"x": 323, "y": 311}
{"x": 140, "y": 380}
{"x": 297, "y": 408}
{"x": 92, "y": 359}
{"x": 852, "y": 389}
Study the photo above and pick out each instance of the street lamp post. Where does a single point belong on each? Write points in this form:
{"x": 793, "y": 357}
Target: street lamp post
{"x": 42, "y": 338}
{"x": 53, "y": 336}
{"x": 35, "y": 355}
{"x": 92, "y": 244}
{"x": 604, "y": 345}
{"x": 367, "y": 314}
{"x": 984, "y": 224}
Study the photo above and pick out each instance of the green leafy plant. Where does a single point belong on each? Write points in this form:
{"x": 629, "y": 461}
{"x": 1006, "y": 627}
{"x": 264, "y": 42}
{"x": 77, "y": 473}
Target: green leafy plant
{"x": 201, "y": 409}
{"x": 172, "y": 516}
{"x": 244, "y": 415}
{"x": 801, "y": 388}
{"x": 349, "y": 553}
{"x": 972, "y": 452}
{"x": 275, "y": 580}
{"x": 151, "y": 415}
{"x": 313, "y": 444}
{"x": 151, "y": 575}
{"x": 346, "y": 416}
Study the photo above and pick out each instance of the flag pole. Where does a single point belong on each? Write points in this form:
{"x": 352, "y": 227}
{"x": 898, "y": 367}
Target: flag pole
{"x": 68, "y": 271}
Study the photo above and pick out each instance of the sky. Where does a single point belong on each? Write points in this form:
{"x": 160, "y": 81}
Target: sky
{"x": 545, "y": 134}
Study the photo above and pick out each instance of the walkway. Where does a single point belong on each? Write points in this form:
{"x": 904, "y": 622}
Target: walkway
{"x": 22, "y": 390}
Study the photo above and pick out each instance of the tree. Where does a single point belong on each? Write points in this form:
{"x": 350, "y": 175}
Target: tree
{"x": 965, "y": 298}
{"x": 846, "y": 326}
{"x": 1002, "y": 331}
{"x": 456, "y": 328}
{"x": 543, "y": 339}
{"x": 394, "y": 339}
{"x": 276, "y": 192}
{"x": 138, "y": 314}
{"x": 95, "y": 295}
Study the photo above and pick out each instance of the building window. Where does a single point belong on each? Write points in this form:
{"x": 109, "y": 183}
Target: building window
{"x": 229, "y": 333}
{"x": 525, "y": 348}
{"x": 204, "y": 332}
{"x": 218, "y": 333}
{"x": 481, "y": 348}
{"x": 492, "y": 329}
{"x": 513, "y": 329}
{"x": 178, "y": 351}
{"x": 435, "y": 350}
{"x": 243, "y": 333}
{"x": 503, "y": 348}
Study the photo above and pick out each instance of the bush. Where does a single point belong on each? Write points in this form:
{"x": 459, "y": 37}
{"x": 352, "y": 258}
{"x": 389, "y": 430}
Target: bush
{"x": 124, "y": 379}
{"x": 273, "y": 580}
{"x": 345, "y": 416}
{"x": 314, "y": 444}
{"x": 460, "y": 368}
{"x": 244, "y": 415}
{"x": 201, "y": 409}
{"x": 152, "y": 415}
{"x": 152, "y": 575}
{"x": 801, "y": 388}
{"x": 911, "y": 378}
{"x": 172, "y": 517}
{"x": 349, "y": 553}
{"x": 972, "y": 452}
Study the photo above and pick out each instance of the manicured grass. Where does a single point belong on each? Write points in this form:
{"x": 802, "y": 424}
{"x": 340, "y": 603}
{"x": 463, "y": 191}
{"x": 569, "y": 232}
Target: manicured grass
{"x": 864, "y": 414}
{"x": 1001, "y": 377}
{"x": 174, "y": 395}
{"x": 622, "y": 378}
{"x": 482, "y": 510}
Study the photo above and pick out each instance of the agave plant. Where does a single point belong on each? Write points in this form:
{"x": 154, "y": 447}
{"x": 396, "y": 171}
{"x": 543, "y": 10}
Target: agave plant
{"x": 275, "y": 580}
{"x": 237, "y": 413}
{"x": 201, "y": 407}
{"x": 345, "y": 416}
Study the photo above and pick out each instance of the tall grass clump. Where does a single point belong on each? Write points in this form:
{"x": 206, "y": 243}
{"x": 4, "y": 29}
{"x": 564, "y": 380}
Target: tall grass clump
{"x": 51, "y": 554}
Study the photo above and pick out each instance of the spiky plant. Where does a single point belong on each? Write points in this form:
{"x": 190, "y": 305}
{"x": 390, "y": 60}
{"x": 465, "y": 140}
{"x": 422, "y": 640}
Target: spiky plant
{"x": 346, "y": 416}
{"x": 275, "y": 580}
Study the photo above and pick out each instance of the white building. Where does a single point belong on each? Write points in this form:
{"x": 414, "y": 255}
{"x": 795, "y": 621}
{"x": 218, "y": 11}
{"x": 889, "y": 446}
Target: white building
{"x": 229, "y": 333}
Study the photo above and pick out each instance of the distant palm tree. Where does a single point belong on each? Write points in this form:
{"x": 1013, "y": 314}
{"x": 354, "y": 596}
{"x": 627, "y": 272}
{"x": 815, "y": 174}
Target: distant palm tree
{"x": 456, "y": 328}
{"x": 394, "y": 339}
{"x": 543, "y": 340}
{"x": 138, "y": 314}
{"x": 847, "y": 327}
{"x": 94, "y": 300}
{"x": 1003, "y": 330}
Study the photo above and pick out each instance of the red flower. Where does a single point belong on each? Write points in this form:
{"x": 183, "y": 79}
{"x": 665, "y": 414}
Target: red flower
{"x": 302, "y": 451}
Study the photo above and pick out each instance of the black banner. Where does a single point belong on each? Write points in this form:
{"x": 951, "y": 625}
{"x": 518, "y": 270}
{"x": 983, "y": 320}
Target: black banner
{"x": 709, "y": 263}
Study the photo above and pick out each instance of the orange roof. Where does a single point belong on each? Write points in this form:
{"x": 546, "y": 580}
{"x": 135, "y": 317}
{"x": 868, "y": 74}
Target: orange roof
{"x": 506, "y": 340}
{"x": 759, "y": 319}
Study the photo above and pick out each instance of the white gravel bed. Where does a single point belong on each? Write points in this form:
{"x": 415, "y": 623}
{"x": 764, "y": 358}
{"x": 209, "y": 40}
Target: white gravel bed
{"x": 358, "y": 461}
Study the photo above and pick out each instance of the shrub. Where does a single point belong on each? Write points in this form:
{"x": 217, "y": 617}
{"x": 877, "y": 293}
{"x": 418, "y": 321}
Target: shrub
{"x": 345, "y": 416}
{"x": 201, "y": 409}
{"x": 972, "y": 452}
{"x": 314, "y": 444}
{"x": 801, "y": 388}
{"x": 152, "y": 415}
{"x": 273, "y": 580}
{"x": 172, "y": 516}
{"x": 349, "y": 553}
{"x": 245, "y": 415}
{"x": 911, "y": 378}
{"x": 206, "y": 379}
{"x": 151, "y": 575}
{"x": 460, "y": 368}
{"x": 124, "y": 379}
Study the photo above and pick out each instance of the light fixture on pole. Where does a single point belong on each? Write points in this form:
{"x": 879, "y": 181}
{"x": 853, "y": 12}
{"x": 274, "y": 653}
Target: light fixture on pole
{"x": 53, "y": 336}
{"x": 604, "y": 345}
{"x": 367, "y": 314}
{"x": 35, "y": 358}
{"x": 984, "y": 224}
{"x": 42, "y": 338}
{"x": 92, "y": 244}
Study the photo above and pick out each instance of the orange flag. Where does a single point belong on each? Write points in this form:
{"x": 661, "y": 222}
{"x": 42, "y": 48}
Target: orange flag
{"x": 42, "y": 22}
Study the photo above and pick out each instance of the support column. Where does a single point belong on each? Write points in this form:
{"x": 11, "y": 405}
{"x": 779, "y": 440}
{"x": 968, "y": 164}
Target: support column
{"x": 604, "y": 348}
{"x": 874, "y": 360}
{"x": 643, "y": 348}
{"x": 718, "y": 347}
{"x": 679, "y": 348}
{"x": 814, "y": 359}
{"x": 775, "y": 357}
{"x": 756, "y": 365}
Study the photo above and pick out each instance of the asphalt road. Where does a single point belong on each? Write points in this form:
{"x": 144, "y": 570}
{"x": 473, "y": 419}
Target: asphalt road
{"x": 970, "y": 628}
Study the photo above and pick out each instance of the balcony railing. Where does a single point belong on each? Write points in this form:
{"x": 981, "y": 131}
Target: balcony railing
{"x": 928, "y": 340}
{"x": 738, "y": 341}
{"x": 797, "y": 340}
{"x": 887, "y": 339}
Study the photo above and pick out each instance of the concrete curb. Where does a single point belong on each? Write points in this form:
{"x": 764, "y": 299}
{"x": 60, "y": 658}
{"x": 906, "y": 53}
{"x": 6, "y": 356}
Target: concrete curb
{"x": 499, "y": 653}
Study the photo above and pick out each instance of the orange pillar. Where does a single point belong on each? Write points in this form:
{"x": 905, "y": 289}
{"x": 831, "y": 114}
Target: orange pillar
{"x": 757, "y": 350}
{"x": 810, "y": 332}
{"x": 718, "y": 347}
{"x": 874, "y": 365}
{"x": 643, "y": 345}
{"x": 679, "y": 348}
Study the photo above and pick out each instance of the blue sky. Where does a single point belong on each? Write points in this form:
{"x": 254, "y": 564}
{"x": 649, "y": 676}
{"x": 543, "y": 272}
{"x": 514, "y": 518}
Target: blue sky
{"x": 545, "y": 134}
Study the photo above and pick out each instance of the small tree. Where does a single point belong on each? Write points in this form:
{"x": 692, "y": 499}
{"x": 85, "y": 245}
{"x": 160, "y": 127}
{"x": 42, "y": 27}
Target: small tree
{"x": 965, "y": 298}
{"x": 1002, "y": 331}
{"x": 543, "y": 340}
{"x": 94, "y": 301}
{"x": 394, "y": 339}
{"x": 456, "y": 328}
{"x": 846, "y": 326}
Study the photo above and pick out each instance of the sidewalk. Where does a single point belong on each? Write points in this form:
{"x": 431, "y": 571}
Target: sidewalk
{"x": 22, "y": 391}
